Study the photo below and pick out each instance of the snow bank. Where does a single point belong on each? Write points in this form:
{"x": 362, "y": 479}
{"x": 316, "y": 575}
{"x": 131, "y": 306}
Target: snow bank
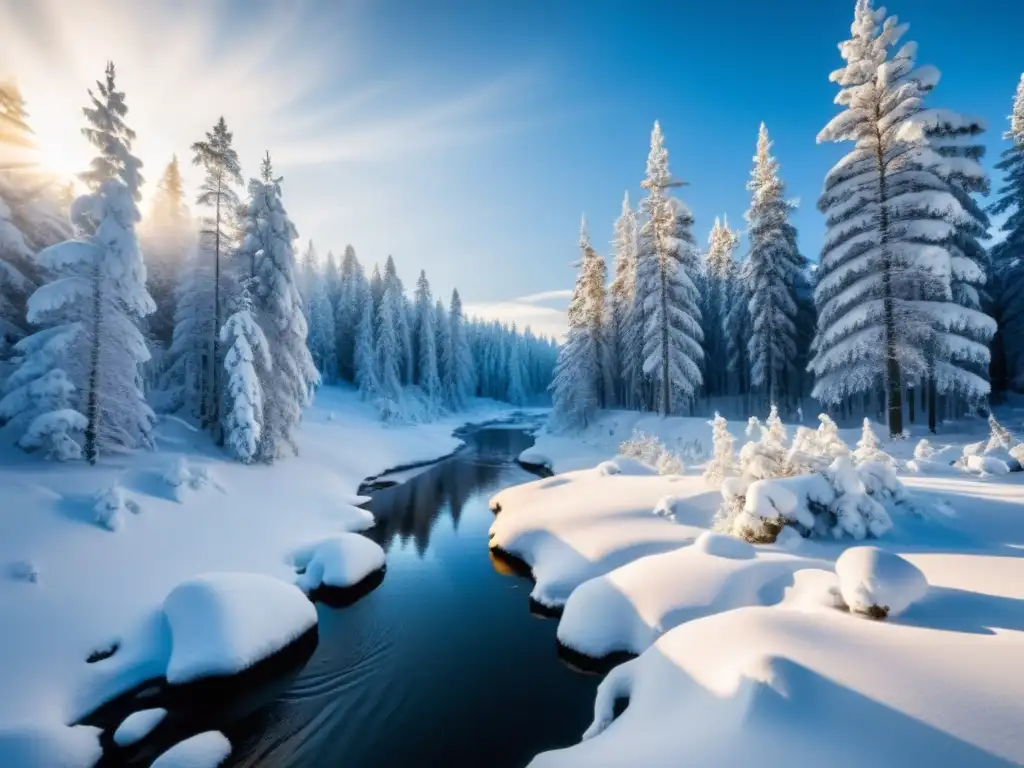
{"x": 59, "y": 746}
{"x": 580, "y": 525}
{"x": 223, "y": 623}
{"x": 780, "y": 686}
{"x": 339, "y": 562}
{"x": 138, "y": 725}
{"x": 204, "y": 750}
{"x": 877, "y": 582}
{"x": 630, "y": 607}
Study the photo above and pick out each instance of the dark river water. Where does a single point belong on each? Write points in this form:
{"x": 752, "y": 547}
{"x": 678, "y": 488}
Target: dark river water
{"x": 442, "y": 664}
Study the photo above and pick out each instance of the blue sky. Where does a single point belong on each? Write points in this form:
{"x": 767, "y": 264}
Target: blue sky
{"x": 468, "y": 137}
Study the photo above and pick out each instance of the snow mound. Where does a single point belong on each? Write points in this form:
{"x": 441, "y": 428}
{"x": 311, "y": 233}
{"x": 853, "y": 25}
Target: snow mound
{"x": 535, "y": 458}
{"x": 204, "y": 750}
{"x": 110, "y": 504}
{"x": 181, "y": 476}
{"x": 724, "y": 546}
{"x": 138, "y": 725}
{"x": 578, "y": 525}
{"x": 624, "y": 465}
{"x": 341, "y": 561}
{"x": 986, "y": 465}
{"x": 630, "y": 607}
{"x": 874, "y": 581}
{"x": 223, "y": 623}
{"x": 58, "y": 746}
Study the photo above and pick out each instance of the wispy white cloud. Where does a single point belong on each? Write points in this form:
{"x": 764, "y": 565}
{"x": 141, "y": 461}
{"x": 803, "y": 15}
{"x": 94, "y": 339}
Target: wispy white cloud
{"x": 527, "y": 311}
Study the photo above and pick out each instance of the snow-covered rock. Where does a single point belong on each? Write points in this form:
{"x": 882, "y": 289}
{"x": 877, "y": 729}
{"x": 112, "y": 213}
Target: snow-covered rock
{"x": 223, "y": 623}
{"x": 109, "y": 507}
{"x": 138, "y": 725}
{"x": 338, "y": 562}
{"x": 625, "y": 465}
{"x": 578, "y": 525}
{"x": 204, "y": 750}
{"x": 628, "y": 608}
{"x": 875, "y": 581}
{"x": 535, "y": 458}
{"x": 56, "y": 746}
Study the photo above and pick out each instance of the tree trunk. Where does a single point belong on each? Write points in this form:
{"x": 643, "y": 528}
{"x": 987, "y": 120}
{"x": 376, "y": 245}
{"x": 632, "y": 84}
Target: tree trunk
{"x": 666, "y": 386}
{"x": 932, "y": 397}
{"x": 92, "y": 408}
{"x": 892, "y": 362}
{"x": 911, "y": 399}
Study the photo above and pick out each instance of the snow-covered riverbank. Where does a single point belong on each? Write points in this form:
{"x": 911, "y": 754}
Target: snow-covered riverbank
{"x": 71, "y": 587}
{"x": 747, "y": 653}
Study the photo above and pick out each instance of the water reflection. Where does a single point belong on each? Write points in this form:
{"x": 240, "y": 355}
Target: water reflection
{"x": 442, "y": 665}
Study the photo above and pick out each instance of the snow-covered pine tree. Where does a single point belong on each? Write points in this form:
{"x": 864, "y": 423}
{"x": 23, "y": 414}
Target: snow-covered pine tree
{"x": 167, "y": 237}
{"x": 270, "y": 235}
{"x": 322, "y": 343}
{"x": 246, "y": 363}
{"x": 773, "y": 266}
{"x": 574, "y": 395}
{"x": 624, "y": 360}
{"x": 1008, "y": 255}
{"x": 354, "y": 292}
{"x": 595, "y": 276}
{"x": 365, "y": 355}
{"x": 458, "y": 359}
{"x": 719, "y": 272}
{"x": 389, "y": 352}
{"x": 737, "y": 324}
{"x": 666, "y": 268}
{"x": 442, "y": 336}
{"x": 217, "y": 195}
{"x": 403, "y": 329}
{"x": 106, "y": 130}
{"x": 723, "y": 461}
{"x": 426, "y": 344}
{"x": 889, "y": 214}
{"x": 376, "y": 288}
{"x": 515, "y": 392}
{"x": 80, "y": 373}
{"x": 960, "y": 356}
{"x": 332, "y": 274}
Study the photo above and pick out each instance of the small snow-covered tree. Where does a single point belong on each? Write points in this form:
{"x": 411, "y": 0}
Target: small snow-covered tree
{"x": 426, "y": 344}
{"x": 458, "y": 360}
{"x": 624, "y": 361}
{"x": 719, "y": 274}
{"x": 829, "y": 443}
{"x": 574, "y": 395}
{"x": 1008, "y": 255}
{"x": 666, "y": 268}
{"x": 270, "y": 236}
{"x": 772, "y": 270}
{"x": 999, "y": 437}
{"x": 366, "y": 355}
{"x": 869, "y": 447}
{"x": 389, "y": 352}
{"x": 322, "y": 343}
{"x": 722, "y": 459}
{"x": 246, "y": 359}
{"x": 167, "y": 236}
{"x": 593, "y": 275}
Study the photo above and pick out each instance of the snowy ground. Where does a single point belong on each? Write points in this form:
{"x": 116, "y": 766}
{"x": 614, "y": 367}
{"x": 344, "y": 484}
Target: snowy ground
{"x": 744, "y": 657}
{"x": 71, "y": 587}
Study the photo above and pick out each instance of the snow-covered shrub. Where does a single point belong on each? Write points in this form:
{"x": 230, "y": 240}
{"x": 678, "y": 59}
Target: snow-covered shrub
{"x": 722, "y": 460}
{"x": 924, "y": 449}
{"x": 692, "y": 451}
{"x": 651, "y": 451}
{"x": 666, "y": 507}
{"x": 999, "y": 436}
{"x": 177, "y": 473}
{"x": 869, "y": 447}
{"x": 24, "y": 570}
{"x": 998, "y": 455}
{"x": 54, "y": 433}
{"x": 829, "y": 443}
{"x": 878, "y": 583}
{"x": 110, "y": 503}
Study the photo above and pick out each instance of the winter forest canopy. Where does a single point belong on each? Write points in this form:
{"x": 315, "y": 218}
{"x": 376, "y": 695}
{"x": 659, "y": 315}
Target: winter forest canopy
{"x": 203, "y": 308}
{"x": 907, "y": 313}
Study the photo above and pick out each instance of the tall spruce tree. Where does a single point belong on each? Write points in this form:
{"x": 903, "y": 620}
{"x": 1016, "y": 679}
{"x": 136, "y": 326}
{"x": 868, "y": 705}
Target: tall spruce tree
{"x": 667, "y": 266}
{"x": 719, "y": 274}
{"x": 624, "y": 361}
{"x": 426, "y": 344}
{"x": 167, "y": 239}
{"x": 773, "y": 267}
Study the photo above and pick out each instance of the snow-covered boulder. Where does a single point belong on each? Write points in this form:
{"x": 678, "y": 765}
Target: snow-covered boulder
{"x": 627, "y": 609}
{"x": 624, "y": 465}
{"x": 204, "y": 750}
{"x": 984, "y": 464}
{"x": 138, "y": 725}
{"x": 223, "y": 623}
{"x": 338, "y": 562}
{"x": 534, "y": 458}
{"x": 109, "y": 508}
{"x": 879, "y": 583}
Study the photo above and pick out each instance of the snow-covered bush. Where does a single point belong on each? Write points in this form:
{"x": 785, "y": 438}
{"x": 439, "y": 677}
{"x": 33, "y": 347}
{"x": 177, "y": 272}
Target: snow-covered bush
{"x": 1000, "y": 454}
{"x": 651, "y": 451}
{"x": 828, "y": 442}
{"x": 54, "y": 433}
{"x": 878, "y": 583}
{"x": 999, "y": 436}
{"x": 869, "y": 447}
{"x": 723, "y": 461}
{"x": 924, "y": 449}
{"x": 110, "y": 503}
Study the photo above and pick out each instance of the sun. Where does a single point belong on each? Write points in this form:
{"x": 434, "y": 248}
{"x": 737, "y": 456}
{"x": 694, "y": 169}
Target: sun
{"x": 56, "y": 120}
